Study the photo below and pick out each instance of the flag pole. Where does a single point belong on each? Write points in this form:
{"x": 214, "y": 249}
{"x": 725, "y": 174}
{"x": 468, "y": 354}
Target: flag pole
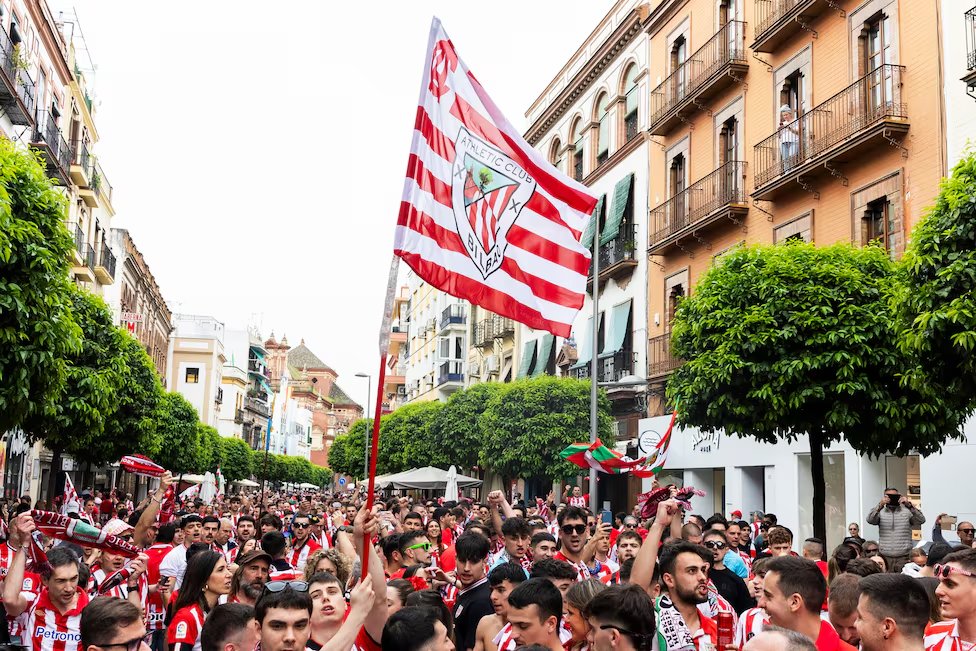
{"x": 381, "y": 379}
{"x": 594, "y": 385}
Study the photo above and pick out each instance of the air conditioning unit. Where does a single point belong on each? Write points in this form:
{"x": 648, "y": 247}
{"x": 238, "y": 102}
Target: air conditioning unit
{"x": 474, "y": 369}
{"x": 401, "y": 391}
{"x": 491, "y": 363}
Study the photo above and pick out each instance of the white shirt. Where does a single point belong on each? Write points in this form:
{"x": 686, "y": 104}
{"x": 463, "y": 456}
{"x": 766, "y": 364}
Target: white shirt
{"x": 173, "y": 565}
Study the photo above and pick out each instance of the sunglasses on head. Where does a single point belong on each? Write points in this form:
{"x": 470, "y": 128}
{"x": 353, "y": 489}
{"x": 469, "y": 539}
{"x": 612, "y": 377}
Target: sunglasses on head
{"x": 278, "y": 586}
{"x": 715, "y": 544}
{"x": 942, "y": 572}
{"x": 570, "y": 529}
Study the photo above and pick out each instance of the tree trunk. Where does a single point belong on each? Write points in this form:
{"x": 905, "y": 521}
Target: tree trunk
{"x": 819, "y": 487}
{"x": 52, "y": 486}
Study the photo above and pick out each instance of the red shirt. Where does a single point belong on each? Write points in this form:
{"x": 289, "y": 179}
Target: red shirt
{"x": 363, "y": 641}
{"x": 186, "y": 626}
{"x": 155, "y": 611}
{"x": 828, "y": 640}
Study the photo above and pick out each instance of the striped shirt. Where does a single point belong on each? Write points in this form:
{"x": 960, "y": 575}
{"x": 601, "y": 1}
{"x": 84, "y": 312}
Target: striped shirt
{"x": 751, "y": 624}
{"x": 186, "y": 626}
{"x": 944, "y": 636}
{"x": 49, "y": 629}
{"x": 299, "y": 554}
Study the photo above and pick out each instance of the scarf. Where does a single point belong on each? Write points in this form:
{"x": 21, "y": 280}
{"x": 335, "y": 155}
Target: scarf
{"x": 672, "y": 632}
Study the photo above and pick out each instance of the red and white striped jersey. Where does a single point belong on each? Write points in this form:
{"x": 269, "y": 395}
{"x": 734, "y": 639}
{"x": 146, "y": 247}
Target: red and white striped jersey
{"x": 121, "y": 591}
{"x": 49, "y": 630}
{"x": 751, "y": 623}
{"x": 155, "y": 611}
{"x": 578, "y": 501}
{"x": 944, "y": 636}
{"x": 299, "y": 554}
{"x": 30, "y": 591}
{"x": 186, "y": 627}
{"x": 504, "y": 640}
{"x": 6, "y": 555}
{"x": 281, "y": 570}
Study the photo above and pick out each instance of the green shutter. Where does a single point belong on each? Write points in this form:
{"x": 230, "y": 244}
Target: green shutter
{"x": 621, "y": 197}
{"x": 525, "y": 364}
{"x": 618, "y": 329}
{"x": 587, "y": 239}
{"x": 545, "y": 352}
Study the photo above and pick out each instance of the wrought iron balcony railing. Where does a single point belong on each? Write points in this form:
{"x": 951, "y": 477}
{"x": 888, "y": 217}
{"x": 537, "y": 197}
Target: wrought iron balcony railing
{"x": 660, "y": 360}
{"x": 703, "y": 198}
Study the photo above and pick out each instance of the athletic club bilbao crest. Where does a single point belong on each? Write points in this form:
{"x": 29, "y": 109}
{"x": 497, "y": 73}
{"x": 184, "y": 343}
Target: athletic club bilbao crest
{"x": 488, "y": 191}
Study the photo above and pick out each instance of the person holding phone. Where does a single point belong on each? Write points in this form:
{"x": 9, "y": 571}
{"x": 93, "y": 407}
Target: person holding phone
{"x": 895, "y": 516}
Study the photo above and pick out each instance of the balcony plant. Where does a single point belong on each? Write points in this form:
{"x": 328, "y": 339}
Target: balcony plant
{"x": 20, "y": 61}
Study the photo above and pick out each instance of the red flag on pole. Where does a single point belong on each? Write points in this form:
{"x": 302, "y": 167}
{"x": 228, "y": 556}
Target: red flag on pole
{"x": 483, "y": 215}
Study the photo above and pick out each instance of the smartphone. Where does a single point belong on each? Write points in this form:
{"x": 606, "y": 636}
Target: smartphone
{"x": 163, "y": 581}
{"x": 606, "y": 517}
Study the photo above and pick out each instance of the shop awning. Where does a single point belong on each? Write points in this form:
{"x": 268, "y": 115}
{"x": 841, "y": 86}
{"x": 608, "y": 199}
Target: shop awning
{"x": 545, "y": 347}
{"x": 621, "y": 197}
{"x": 588, "y": 232}
{"x": 525, "y": 364}
{"x": 619, "y": 323}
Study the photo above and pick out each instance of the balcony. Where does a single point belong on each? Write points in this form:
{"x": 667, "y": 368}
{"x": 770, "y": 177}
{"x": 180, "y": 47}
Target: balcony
{"x": 867, "y": 113}
{"x": 719, "y": 195}
{"x": 86, "y": 270}
{"x": 660, "y": 361}
{"x": 610, "y": 367}
{"x": 105, "y": 265}
{"x": 483, "y": 336}
{"x": 219, "y": 398}
{"x": 716, "y": 65}
{"x": 257, "y": 367}
{"x": 81, "y": 171}
{"x": 78, "y": 253}
{"x": 258, "y": 406}
{"x": 238, "y": 416}
{"x": 618, "y": 256}
{"x": 452, "y": 316}
{"x": 47, "y": 138}
{"x": 17, "y": 95}
{"x": 398, "y": 333}
{"x": 396, "y": 375}
{"x": 778, "y": 20}
{"x": 101, "y": 186}
{"x": 451, "y": 372}
{"x": 970, "y": 76}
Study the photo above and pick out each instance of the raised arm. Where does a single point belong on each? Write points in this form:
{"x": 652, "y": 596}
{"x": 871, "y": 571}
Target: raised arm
{"x": 368, "y": 523}
{"x": 13, "y": 599}
{"x": 643, "y": 569}
{"x": 360, "y": 605}
{"x": 148, "y": 518}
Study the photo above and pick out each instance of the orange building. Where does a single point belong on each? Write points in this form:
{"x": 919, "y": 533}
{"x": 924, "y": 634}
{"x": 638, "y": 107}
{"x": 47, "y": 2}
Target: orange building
{"x": 775, "y": 119}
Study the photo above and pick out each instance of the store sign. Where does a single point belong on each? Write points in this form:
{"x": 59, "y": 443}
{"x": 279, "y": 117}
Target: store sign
{"x": 131, "y": 317}
{"x": 705, "y": 441}
{"x": 647, "y": 440}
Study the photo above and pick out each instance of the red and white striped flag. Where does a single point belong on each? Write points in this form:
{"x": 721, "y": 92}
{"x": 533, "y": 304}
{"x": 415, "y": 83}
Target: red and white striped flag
{"x": 483, "y": 215}
{"x": 71, "y": 503}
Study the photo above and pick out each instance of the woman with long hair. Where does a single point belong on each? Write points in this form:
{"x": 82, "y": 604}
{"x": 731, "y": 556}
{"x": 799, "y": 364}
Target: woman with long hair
{"x": 207, "y": 578}
{"x": 433, "y": 530}
{"x": 577, "y": 597}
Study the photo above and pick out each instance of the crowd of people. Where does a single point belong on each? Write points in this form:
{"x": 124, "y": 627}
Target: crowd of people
{"x": 284, "y": 572}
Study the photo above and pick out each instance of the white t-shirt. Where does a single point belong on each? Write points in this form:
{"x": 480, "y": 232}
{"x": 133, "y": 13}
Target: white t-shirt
{"x": 173, "y": 565}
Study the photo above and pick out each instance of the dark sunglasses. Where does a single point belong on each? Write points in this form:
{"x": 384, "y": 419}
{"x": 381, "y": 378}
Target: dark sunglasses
{"x": 715, "y": 544}
{"x": 630, "y": 525}
{"x": 570, "y": 529}
{"x": 299, "y": 525}
{"x": 871, "y": 551}
{"x": 944, "y": 571}
{"x": 278, "y": 586}
{"x": 131, "y": 645}
{"x": 969, "y": 531}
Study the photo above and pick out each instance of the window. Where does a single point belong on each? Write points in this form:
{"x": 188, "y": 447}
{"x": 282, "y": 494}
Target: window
{"x": 192, "y": 375}
{"x": 676, "y": 183}
{"x": 603, "y": 133}
{"x": 679, "y": 52}
{"x": 577, "y": 140}
{"x": 632, "y": 103}
{"x": 800, "y": 228}
{"x": 876, "y": 53}
{"x": 675, "y": 295}
{"x": 877, "y": 224}
{"x": 728, "y": 141}
{"x": 555, "y": 154}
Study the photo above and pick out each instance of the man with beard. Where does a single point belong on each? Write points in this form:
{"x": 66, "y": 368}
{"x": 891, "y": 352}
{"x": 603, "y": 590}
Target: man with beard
{"x": 174, "y": 564}
{"x": 302, "y": 544}
{"x": 684, "y": 573}
{"x": 250, "y": 577}
{"x": 211, "y": 525}
{"x": 793, "y": 592}
{"x": 245, "y": 529}
{"x": 892, "y": 613}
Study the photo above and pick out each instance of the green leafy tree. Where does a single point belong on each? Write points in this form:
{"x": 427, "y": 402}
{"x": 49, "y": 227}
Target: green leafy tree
{"x": 346, "y": 456}
{"x": 137, "y": 401}
{"x": 38, "y": 334}
{"x": 76, "y": 425}
{"x": 528, "y": 422}
{"x": 180, "y": 437}
{"x": 781, "y": 341}
{"x": 937, "y": 304}
{"x": 407, "y": 439}
{"x": 235, "y": 456}
{"x": 457, "y": 437}
{"x": 209, "y": 457}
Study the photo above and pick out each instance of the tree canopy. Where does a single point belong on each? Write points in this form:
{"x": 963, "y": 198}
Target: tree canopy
{"x": 796, "y": 339}
{"x": 179, "y": 434}
{"x": 235, "y": 457}
{"x": 407, "y": 440}
{"x": 456, "y": 431}
{"x": 38, "y": 334}
{"x": 937, "y": 305}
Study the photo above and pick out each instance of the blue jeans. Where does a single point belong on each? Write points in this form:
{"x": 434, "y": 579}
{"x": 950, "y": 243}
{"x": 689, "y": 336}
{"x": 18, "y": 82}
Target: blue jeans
{"x": 787, "y": 153}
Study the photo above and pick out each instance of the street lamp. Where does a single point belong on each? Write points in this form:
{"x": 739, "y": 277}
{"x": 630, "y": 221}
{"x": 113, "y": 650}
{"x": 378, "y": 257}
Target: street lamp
{"x": 369, "y": 392}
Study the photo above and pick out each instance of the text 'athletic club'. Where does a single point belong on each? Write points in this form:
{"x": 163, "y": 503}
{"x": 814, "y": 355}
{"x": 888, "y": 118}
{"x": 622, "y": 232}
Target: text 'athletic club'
{"x": 483, "y": 216}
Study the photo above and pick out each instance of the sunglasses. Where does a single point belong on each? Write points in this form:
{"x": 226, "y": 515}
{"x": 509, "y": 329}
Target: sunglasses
{"x": 969, "y": 531}
{"x": 298, "y": 525}
{"x": 278, "y": 586}
{"x": 570, "y": 529}
{"x": 424, "y": 546}
{"x": 131, "y": 645}
{"x": 871, "y": 551}
{"x": 944, "y": 571}
{"x": 715, "y": 544}
{"x": 630, "y": 525}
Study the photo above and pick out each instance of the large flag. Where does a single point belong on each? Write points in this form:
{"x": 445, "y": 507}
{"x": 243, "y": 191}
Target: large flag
{"x": 483, "y": 215}
{"x": 598, "y": 456}
{"x": 656, "y": 459}
{"x": 71, "y": 503}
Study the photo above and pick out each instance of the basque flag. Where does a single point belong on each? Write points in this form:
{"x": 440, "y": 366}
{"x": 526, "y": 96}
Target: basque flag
{"x": 483, "y": 215}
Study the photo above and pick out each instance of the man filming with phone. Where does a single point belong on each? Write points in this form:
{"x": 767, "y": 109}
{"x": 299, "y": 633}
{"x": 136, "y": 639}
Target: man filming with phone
{"x": 895, "y": 517}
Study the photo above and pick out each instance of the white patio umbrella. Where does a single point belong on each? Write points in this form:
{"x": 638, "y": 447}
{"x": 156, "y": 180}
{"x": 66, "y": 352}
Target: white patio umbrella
{"x": 208, "y": 489}
{"x": 451, "y": 489}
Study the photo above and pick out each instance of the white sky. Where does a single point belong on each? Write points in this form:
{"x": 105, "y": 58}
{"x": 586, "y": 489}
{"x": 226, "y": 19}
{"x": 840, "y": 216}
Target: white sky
{"x": 257, "y": 150}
